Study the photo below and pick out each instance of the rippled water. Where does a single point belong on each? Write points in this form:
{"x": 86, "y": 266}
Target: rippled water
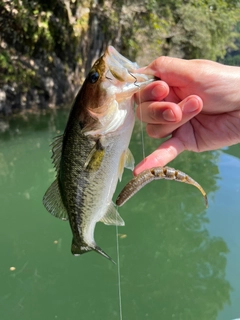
{"x": 177, "y": 259}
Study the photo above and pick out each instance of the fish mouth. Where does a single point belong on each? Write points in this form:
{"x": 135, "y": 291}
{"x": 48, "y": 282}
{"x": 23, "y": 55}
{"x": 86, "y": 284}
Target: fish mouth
{"x": 124, "y": 71}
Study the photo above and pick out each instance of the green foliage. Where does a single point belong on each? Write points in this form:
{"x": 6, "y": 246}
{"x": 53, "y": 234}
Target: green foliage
{"x": 233, "y": 52}
{"x": 14, "y": 70}
{"x": 191, "y": 29}
{"x": 37, "y": 28}
{"x": 187, "y": 29}
{"x": 77, "y": 31}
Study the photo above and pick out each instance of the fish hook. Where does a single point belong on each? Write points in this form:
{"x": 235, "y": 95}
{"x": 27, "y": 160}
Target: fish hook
{"x": 135, "y": 82}
{"x": 108, "y": 77}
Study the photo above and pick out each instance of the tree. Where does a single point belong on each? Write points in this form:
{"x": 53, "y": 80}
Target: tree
{"x": 47, "y": 47}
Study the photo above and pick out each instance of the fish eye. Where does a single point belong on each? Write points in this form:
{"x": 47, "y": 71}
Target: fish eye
{"x": 93, "y": 77}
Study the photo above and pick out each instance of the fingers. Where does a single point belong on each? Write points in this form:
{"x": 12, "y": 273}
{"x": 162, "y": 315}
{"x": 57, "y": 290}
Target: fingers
{"x": 156, "y": 90}
{"x": 169, "y": 150}
{"x": 164, "y": 117}
{"x": 151, "y": 110}
{"x": 156, "y": 112}
{"x": 184, "y": 111}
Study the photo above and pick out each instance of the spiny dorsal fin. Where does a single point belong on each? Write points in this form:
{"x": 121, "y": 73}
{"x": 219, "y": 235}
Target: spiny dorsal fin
{"x": 126, "y": 161}
{"x": 112, "y": 217}
{"x": 57, "y": 150}
{"x": 53, "y": 202}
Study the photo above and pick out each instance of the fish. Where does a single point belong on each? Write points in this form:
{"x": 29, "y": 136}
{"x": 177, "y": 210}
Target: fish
{"x": 90, "y": 156}
{"x": 92, "y": 153}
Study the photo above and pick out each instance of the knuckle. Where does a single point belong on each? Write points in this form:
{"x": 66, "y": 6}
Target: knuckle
{"x": 152, "y": 131}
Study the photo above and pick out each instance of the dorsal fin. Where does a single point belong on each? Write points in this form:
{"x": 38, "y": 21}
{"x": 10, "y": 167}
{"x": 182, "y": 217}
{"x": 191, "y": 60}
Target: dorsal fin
{"x": 57, "y": 150}
{"x": 112, "y": 217}
{"x": 52, "y": 201}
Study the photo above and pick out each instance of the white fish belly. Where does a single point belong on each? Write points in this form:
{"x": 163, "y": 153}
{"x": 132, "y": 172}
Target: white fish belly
{"x": 103, "y": 182}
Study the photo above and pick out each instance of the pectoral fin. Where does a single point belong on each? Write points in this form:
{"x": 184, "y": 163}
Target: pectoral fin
{"x": 126, "y": 161}
{"x": 95, "y": 157}
{"x": 52, "y": 201}
{"x": 112, "y": 217}
{"x": 96, "y": 160}
{"x": 129, "y": 160}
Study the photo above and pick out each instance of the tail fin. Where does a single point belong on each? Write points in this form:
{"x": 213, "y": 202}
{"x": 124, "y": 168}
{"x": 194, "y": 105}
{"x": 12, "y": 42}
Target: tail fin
{"x": 77, "y": 249}
{"x": 100, "y": 251}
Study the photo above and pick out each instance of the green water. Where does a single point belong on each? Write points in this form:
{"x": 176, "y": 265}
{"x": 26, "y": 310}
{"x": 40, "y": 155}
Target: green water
{"x": 177, "y": 259}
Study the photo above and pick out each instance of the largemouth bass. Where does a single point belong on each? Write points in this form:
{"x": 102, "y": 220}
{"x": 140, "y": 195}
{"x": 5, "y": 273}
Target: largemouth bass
{"x": 91, "y": 154}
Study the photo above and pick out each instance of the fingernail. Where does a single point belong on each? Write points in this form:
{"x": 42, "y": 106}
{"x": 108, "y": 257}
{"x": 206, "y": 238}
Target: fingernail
{"x": 190, "y": 105}
{"x": 168, "y": 115}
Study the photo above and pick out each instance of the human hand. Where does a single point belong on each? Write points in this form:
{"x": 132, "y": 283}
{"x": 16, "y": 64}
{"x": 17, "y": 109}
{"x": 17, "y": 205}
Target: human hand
{"x": 196, "y": 101}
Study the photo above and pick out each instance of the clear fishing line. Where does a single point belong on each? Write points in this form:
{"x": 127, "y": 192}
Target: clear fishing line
{"x": 141, "y": 124}
{"x": 142, "y": 136}
{"x": 119, "y": 273}
{"x": 117, "y": 240}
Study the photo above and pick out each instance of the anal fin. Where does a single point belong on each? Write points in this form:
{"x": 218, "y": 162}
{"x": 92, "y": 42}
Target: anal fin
{"x": 112, "y": 216}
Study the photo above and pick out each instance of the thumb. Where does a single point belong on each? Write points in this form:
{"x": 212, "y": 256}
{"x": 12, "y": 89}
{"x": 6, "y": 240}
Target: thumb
{"x": 174, "y": 71}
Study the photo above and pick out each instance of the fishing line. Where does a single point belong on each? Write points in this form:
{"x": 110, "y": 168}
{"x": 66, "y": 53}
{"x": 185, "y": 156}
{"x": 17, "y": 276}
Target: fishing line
{"x": 141, "y": 125}
{"x": 141, "y": 117}
{"x": 135, "y": 82}
{"x": 108, "y": 77}
{"x": 117, "y": 240}
{"x": 119, "y": 273}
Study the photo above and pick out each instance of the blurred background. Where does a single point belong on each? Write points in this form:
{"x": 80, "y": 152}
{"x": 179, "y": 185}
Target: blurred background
{"x": 178, "y": 259}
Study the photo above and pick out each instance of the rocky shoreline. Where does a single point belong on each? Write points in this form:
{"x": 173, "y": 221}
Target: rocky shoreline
{"x": 49, "y": 86}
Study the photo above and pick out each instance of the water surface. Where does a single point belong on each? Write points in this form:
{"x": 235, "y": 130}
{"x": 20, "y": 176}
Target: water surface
{"x": 178, "y": 260}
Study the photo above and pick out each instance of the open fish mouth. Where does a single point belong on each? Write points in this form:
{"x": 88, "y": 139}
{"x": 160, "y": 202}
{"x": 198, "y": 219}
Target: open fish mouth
{"x": 124, "y": 71}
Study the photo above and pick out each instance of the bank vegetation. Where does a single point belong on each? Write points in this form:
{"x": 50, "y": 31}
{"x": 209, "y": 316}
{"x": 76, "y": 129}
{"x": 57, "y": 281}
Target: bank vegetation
{"x": 48, "y": 46}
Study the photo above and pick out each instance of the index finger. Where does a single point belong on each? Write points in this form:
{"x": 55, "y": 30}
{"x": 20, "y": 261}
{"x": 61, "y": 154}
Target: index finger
{"x": 165, "y": 153}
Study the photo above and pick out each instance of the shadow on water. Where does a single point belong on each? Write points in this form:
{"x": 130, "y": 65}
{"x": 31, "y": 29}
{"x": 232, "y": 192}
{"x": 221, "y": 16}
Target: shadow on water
{"x": 171, "y": 267}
